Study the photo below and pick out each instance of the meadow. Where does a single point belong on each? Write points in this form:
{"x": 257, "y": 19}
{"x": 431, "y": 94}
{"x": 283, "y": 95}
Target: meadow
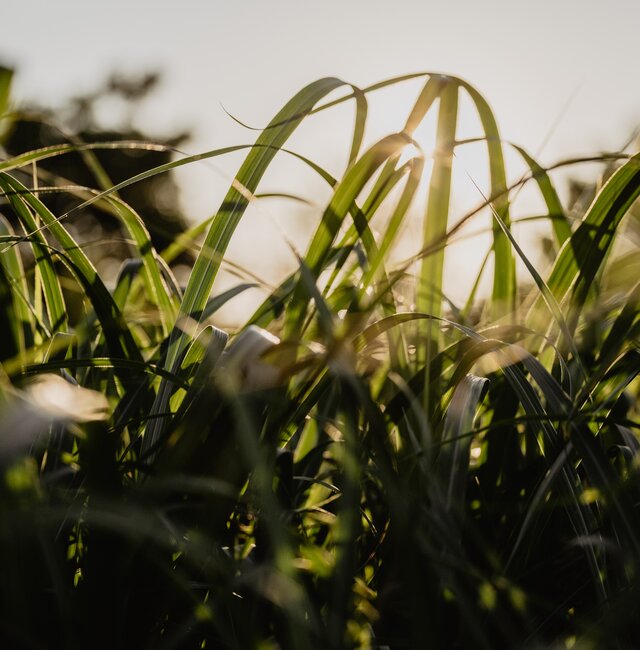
{"x": 365, "y": 463}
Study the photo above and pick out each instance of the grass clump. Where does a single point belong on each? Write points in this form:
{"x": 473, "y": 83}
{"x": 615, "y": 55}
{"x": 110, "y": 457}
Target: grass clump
{"x": 344, "y": 471}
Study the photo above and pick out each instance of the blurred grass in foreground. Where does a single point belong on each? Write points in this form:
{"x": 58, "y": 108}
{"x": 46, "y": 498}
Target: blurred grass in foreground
{"x": 346, "y": 472}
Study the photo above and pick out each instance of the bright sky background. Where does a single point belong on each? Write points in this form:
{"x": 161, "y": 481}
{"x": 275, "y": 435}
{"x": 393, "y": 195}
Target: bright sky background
{"x": 558, "y": 73}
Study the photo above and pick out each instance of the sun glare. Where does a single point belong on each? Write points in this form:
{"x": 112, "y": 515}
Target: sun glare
{"x": 468, "y": 246}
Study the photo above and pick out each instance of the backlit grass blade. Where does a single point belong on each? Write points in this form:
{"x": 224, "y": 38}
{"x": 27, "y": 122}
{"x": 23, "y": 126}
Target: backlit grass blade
{"x": 116, "y": 333}
{"x": 228, "y": 217}
{"x": 154, "y": 271}
{"x": 274, "y": 305}
{"x": 128, "y": 271}
{"x": 559, "y": 223}
{"x": 622, "y": 332}
{"x": 471, "y": 297}
{"x": 428, "y": 95}
{"x": 44, "y": 153}
{"x": 597, "y": 467}
{"x": 151, "y": 272}
{"x": 359, "y": 124}
{"x": 236, "y": 200}
{"x": 373, "y": 270}
{"x": 429, "y": 290}
{"x": 582, "y": 255}
{"x": 141, "y": 367}
{"x": 385, "y": 180}
{"x": 56, "y": 310}
{"x": 218, "y": 301}
{"x": 22, "y": 322}
{"x": 413, "y": 170}
{"x": 187, "y": 240}
{"x": 339, "y": 207}
{"x": 504, "y": 274}
{"x": 183, "y": 241}
{"x": 453, "y": 460}
{"x": 546, "y": 294}
{"x": 196, "y": 368}
{"x": 6, "y": 76}
{"x": 87, "y": 154}
{"x": 12, "y": 343}
{"x": 617, "y": 337}
{"x": 370, "y": 264}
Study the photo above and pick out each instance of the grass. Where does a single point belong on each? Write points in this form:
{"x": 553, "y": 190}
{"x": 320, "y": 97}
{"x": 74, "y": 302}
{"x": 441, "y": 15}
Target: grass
{"x": 343, "y": 471}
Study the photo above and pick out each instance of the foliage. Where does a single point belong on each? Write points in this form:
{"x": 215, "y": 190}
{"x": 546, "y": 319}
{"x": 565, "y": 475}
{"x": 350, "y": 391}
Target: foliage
{"x": 82, "y": 120}
{"x": 365, "y": 475}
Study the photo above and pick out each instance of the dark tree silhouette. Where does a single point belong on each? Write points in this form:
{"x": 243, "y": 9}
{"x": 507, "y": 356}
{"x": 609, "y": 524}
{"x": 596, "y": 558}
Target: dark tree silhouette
{"x": 155, "y": 199}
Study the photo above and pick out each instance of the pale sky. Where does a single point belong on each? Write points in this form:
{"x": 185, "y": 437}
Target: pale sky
{"x": 563, "y": 70}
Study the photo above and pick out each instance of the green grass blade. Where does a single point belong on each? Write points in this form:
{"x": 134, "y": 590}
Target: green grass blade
{"x": 128, "y": 271}
{"x": 196, "y": 371}
{"x": 583, "y": 254}
{"x": 154, "y": 282}
{"x": 546, "y": 294}
{"x": 185, "y": 241}
{"x": 115, "y": 330}
{"x": 504, "y": 274}
{"x": 453, "y": 460}
{"x": 436, "y": 218}
{"x": 50, "y": 284}
{"x": 413, "y": 169}
{"x": 430, "y": 276}
{"x": 43, "y": 153}
{"x": 22, "y": 322}
{"x": 6, "y": 77}
{"x": 141, "y": 367}
{"x": 339, "y": 207}
{"x": 618, "y": 334}
{"x": 359, "y": 125}
{"x": 236, "y": 200}
{"x": 372, "y": 261}
{"x": 226, "y": 220}
{"x": 559, "y": 222}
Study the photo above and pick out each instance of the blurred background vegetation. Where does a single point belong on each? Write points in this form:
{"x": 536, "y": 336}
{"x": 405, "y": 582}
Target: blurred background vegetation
{"x": 78, "y": 121}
